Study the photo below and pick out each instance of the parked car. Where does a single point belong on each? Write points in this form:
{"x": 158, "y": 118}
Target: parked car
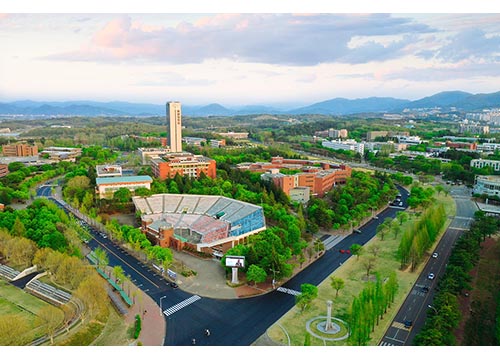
{"x": 375, "y": 217}
{"x": 435, "y": 255}
{"x": 357, "y": 231}
{"x": 174, "y": 285}
{"x": 431, "y": 276}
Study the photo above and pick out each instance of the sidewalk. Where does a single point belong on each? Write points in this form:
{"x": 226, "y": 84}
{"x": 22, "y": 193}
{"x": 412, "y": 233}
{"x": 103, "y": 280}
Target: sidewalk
{"x": 153, "y": 326}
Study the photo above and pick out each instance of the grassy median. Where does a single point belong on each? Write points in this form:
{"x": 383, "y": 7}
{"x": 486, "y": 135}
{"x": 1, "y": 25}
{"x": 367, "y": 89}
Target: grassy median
{"x": 293, "y": 324}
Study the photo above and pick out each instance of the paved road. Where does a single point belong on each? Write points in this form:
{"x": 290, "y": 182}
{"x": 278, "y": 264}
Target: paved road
{"x": 415, "y": 307}
{"x": 235, "y": 322}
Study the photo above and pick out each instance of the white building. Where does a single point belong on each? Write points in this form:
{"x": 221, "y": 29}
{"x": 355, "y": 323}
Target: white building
{"x": 351, "y": 145}
{"x": 147, "y": 154}
{"x": 410, "y": 140}
{"x": 106, "y": 186}
{"x": 301, "y": 194}
{"x": 489, "y": 185}
{"x": 481, "y": 163}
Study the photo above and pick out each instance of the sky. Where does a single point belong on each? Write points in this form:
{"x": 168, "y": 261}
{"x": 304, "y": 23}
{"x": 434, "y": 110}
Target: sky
{"x": 235, "y": 57}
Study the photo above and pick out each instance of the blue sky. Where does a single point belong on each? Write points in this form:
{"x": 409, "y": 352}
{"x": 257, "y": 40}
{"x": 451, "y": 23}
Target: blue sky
{"x": 232, "y": 58}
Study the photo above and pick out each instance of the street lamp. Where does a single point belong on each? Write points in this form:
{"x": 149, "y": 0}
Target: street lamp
{"x": 161, "y": 309}
{"x": 433, "y": 308}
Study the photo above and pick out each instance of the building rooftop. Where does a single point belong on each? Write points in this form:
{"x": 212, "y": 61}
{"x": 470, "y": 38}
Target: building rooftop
{"x": 123, "y": 179}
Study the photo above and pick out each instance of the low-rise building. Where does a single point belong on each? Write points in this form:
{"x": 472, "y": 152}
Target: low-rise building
{"x": 235, "y": 135}
{"x": 300, "y": 194}
{"x": 481, "y": 163}
{"x": 106, "y": 186}
{"x": 183, "y": 164}
{"x": 4, "y": 170}
{"x": 218, "y": 143}
{"x": 108, "y": 170}
{"x": 147, "y": 154}
{"x": 56, "y": 153}
{"x": 20, "y": 149}
{"x": 194, "y": 141}
{"x": 488, "y": 185}
{"x": 350, "y": 145}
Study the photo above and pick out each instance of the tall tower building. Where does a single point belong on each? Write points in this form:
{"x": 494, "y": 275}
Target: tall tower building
{"x": 174, "y": 118}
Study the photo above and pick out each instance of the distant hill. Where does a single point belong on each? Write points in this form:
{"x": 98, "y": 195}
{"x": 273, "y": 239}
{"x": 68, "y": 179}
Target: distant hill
{"x": 442, "y": 99}
{"x": 338, "y": 106}
{"x": 341, "y": 106}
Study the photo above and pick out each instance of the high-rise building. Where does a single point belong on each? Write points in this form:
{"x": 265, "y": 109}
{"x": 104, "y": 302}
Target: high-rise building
{"x": 174, "y": 119}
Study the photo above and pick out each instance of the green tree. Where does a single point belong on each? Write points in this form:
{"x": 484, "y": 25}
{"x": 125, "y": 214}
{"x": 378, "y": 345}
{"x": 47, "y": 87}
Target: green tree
{"x": 337, "y": 284}
{"x": 357, "y": 250}
{"x": 256, "y": 274}
{"x": 308, "y": 293}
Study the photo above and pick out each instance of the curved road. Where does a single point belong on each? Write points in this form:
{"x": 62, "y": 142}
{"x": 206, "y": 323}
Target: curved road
{"x": 235, "y": 322}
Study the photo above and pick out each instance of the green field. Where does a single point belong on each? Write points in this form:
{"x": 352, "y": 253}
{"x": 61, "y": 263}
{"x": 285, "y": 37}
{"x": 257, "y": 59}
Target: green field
{"x": 15, "y": 301}
{"x": 354, "y": 276}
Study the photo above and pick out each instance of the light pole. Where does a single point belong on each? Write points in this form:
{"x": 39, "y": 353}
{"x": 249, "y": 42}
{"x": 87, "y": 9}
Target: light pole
{"x": 433, "y": 308}
{"x": 161, "y": 309}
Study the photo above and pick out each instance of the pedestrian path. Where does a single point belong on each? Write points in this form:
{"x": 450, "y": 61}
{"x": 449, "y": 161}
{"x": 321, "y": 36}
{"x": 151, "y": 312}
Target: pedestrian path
{"x": 181, "y": 305}
{"x": 288, "y": 291}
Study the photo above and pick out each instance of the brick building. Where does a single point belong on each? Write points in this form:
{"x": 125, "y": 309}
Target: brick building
{"x": 183, "y": 164}
{"x": 20, "y": 150}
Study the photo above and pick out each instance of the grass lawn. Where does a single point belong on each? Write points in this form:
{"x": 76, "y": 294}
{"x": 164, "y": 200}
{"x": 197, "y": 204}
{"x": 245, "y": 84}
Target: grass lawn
{"x": 354, "y": 276}
{"x": 16, "y": 301}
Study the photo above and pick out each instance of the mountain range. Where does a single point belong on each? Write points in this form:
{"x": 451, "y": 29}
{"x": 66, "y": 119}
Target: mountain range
{"x": 339, "y": 106}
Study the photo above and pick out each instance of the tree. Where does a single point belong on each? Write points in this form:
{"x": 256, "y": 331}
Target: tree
{"x": 337, "y": 284}
{"x": 101, "y": 257}
{"x": 13, "y": 330}
{"x": 357, "y": 250}
{"x": 18, "y": 228}
{"x": 122, "y": 196}
{"x": 92, "y": 293}
{"x": 308, "y": 293}
{"x": 374, "y": 250}
{"x": 402, "y": 217}
{"x": 369, "y": 263}
{"x": 52, "y": 318}
{"x": 256, "y": 274}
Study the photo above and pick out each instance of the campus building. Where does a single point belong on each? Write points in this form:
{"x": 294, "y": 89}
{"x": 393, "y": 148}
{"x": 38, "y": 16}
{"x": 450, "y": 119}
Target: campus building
{"x": 57, "y": 154}
{"x": 108, "y": 170}
{"x": 183, "y": 164}
{"x": 106, "y": 186}
{"x": 488, "y": 185}
{"x": 350, "y": 145}
{"x": 20, "y": 150}
{"x": 204, "y": 223}
{"x": 481, "y": 163}
{"x": 319, "y": 177}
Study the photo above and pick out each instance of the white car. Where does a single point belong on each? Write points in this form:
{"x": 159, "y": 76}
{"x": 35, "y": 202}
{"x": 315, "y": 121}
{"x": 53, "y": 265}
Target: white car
{"x": 435, "y": 255}
{"x": 430, "y": 276}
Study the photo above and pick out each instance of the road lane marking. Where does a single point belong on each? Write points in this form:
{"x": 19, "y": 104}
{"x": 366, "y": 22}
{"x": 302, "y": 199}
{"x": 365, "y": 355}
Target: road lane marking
{"x": 181, "y": 305}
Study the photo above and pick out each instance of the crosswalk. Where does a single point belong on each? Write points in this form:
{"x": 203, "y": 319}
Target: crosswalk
{"x": 383, "y": 343}
{"x": 288, "y": 291}
{"x": 181, "y": 305}
{"x": 398, "y": 325}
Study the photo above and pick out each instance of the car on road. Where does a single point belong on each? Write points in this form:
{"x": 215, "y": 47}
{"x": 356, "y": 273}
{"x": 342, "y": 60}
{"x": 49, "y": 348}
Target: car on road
{"x": 431, "y": 276}
{"x": 408, "y": 323}
{"x": 435, "y": 255}
{"x": 400, "y": 203}
{"x": 375, "y": 217}
{"x": 343, "y": 251}
{"x": 425, "y": 289}
{"x": 357, "y": 231}
{"x": 174, "y": 285}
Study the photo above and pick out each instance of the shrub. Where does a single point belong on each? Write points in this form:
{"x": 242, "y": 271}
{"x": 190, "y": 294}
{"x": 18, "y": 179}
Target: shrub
{"x": 137, "y": 326}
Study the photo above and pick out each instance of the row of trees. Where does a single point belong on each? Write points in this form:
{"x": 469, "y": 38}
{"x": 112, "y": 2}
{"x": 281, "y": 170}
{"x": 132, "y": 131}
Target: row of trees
{"x": 350, "y": 203}
{"x": 419, "y": 237}
{"x": 444, "y": 316}
{"x": 369, "y": 307}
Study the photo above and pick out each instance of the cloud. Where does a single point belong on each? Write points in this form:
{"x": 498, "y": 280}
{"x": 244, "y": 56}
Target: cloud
{"x": 470, "y": 44}
{"x": 261, "y": 38}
